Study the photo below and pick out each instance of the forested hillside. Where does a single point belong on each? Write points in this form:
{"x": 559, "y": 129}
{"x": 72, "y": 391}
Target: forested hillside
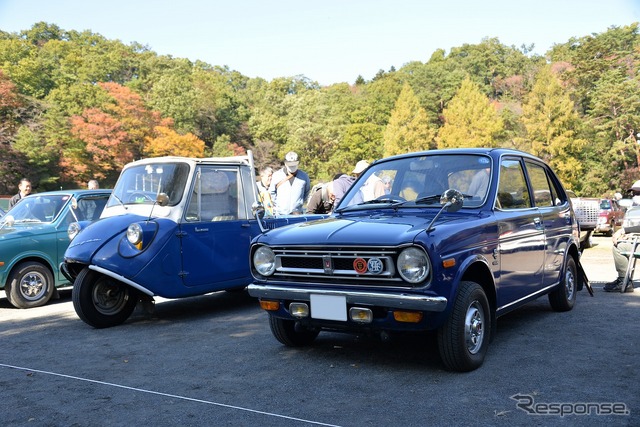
{"x": 75, "y": 106}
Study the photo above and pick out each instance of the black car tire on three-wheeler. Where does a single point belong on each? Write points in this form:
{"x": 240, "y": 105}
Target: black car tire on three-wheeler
{"x": 30, "y": 284}
{"x": 102, "y": 301}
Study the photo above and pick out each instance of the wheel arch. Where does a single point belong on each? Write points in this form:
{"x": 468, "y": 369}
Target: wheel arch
{"x": 33, "y": 258}
{"x": 480, "y": 273}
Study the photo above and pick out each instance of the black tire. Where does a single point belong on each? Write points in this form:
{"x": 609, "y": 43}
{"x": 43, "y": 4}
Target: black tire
{"x": 30, "y": 285}
{"x": 290, "y": 334}
{"x": 563, "y": 298}
{"x": 101, "y": 301}
{"x": 464, "y": 338}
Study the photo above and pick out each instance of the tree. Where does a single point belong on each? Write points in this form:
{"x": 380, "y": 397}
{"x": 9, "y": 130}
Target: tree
{"x": 470, "y": 120}
{"x": 552, "y": 127}
{"x": 10, "y": 102}
{"x": 112, "y": 135}
{"x": 167, "y": 142}
{"x": 408, "y": 129}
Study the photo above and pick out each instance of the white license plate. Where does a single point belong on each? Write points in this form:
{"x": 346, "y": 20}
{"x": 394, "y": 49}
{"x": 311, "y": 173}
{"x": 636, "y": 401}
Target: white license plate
{"x": 329, "y": 307}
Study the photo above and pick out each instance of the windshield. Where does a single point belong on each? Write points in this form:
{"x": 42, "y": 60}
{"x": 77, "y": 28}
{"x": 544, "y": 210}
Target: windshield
{"x": 420, "y": 181}
{"x": 605, "y": 204}
{"x": 142, "y": 184}
{"x": 39, "y": 208}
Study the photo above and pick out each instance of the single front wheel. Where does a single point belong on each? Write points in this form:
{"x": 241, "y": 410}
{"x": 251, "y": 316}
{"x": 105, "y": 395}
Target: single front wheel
{"x": 30, "y": 285}
{"x": 463, "y": 340}
{"x": 102, "y": 301}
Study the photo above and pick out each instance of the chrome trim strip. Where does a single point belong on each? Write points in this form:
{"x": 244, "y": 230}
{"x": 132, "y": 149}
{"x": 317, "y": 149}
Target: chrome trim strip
{"x": 121, "y": 279}
{"x": 391, "y": 300}
{"x": 531, "y": 296}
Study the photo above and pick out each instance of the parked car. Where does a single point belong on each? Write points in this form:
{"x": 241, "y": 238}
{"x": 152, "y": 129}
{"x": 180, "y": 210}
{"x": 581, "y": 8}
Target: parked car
{"x": 471, "y": 241}
{"x": 609, "y": 217}
{"x": 580, "y": 212}
{"x": 33, "y": 238}
{"x": 631, "y": 221}
{"x": 174, "y": 227}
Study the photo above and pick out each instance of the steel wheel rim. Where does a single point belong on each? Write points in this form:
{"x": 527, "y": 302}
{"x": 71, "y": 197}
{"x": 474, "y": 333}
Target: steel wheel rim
{"x": 474, "y": 327}
{"x": 569, "y": 283}
{"x": 109, "y": 297}
{"x": 33, "y": 286}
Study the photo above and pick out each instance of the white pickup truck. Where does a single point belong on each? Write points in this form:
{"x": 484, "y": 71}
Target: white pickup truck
{"x": 587, "y": 210}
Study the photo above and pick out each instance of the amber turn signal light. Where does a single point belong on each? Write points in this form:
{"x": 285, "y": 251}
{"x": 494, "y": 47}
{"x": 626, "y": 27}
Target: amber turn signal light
{"x": 407, "y": 316}
{"x": 269, "y": 305}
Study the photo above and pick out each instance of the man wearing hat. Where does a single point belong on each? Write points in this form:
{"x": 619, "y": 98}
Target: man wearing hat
{"x": 289, "y": 187}
{"x": 373, "y": 186}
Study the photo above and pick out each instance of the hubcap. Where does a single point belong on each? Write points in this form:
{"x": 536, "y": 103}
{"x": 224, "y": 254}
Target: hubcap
{"x": 569, "y": 283}
{"x": 33, "y": 286}
{"x": 474, "y": 327}
{"x": 109, "y": 297}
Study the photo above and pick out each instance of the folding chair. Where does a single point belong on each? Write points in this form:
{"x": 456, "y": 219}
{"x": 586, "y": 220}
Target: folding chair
{"x": 633, "y": 257}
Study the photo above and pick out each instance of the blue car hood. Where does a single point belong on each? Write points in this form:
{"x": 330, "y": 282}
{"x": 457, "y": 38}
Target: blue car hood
{"x": 377, "y": 229}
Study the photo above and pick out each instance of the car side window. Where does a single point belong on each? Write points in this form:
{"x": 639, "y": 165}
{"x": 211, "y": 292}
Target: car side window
{"x": 543, "y": 193}
{"x": 214, "y": 196}
{"x": 512, "y": 188}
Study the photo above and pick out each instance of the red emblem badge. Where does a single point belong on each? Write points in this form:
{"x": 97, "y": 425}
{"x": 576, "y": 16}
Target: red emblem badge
{"x": 360, "y": 265}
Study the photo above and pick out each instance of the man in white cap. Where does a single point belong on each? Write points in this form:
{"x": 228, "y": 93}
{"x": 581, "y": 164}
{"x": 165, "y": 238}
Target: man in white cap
{"x": 373, "y": 186}
{"x": 289, "y": 187}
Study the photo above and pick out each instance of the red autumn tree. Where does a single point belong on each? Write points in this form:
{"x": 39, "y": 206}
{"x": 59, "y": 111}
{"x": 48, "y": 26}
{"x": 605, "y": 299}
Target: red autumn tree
{"x": 110, "y": 136}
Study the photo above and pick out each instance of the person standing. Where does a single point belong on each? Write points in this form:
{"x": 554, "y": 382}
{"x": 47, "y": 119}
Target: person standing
{"x": 263, "y": 184}
{"x": 289, "y": 187}
{"x": 93, "y": 185}
{"x": 329, "y": 195}
{"x": 24, "y": 188}
{"x": 373, "y": 186}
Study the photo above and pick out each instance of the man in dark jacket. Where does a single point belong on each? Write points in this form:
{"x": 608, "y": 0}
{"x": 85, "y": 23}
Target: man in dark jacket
{"x": 25, "y": 190}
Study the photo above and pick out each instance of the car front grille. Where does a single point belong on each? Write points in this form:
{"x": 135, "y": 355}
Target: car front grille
{"x": 342, "y": 265}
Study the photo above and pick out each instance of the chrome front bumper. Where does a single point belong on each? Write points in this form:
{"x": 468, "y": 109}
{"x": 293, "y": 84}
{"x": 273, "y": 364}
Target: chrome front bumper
{"x": 382, "y": 299}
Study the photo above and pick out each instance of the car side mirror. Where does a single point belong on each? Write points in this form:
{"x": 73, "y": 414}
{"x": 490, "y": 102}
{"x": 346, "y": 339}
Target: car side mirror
{"x": 162, "y": 199}
{"x": 451, "y": 201}
{"x": 258, "y": 212}
{"x": 453, "y": 198}
{"x": 8, "y": 221}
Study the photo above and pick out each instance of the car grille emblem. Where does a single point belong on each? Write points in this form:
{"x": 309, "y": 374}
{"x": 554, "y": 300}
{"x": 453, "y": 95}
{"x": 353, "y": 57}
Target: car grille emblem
{"x": 328, "y": 264}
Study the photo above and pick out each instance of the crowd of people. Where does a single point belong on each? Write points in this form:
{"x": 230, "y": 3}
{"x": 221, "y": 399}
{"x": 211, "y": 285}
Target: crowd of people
{"x": 288, "y": 191}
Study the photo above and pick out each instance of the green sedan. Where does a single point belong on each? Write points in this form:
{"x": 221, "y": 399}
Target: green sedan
{"x": 33, "y": 239}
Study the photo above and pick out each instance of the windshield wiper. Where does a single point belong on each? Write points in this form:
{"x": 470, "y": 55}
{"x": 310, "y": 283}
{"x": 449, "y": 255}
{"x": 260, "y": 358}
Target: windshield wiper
{"x": 428, "y": 199}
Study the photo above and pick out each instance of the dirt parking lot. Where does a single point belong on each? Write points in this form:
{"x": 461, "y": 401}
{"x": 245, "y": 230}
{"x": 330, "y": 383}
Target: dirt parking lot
{"x": 211, "y": 360}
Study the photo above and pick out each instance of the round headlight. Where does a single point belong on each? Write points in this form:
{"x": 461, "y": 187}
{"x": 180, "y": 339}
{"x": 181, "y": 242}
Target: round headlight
{"x": 73, "y": 230}
{"x": 413, "y": 265}
{"x": 134, "y": 233}
{"x": 264, "y": 261}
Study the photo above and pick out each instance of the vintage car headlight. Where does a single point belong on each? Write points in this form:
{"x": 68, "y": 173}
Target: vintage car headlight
{"x": 134, "y": 234}
{"x": 73, "y": 230}
{"x": 264, "y": 261}
{"x": 413, "y": 265}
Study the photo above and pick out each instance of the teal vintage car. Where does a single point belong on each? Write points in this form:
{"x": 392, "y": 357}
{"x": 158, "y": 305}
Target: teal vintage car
{"x": 33, "y": 239}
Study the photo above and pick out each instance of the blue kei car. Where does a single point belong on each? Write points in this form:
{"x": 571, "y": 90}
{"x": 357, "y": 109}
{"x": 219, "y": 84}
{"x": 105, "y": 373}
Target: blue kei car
{"x": 458, "y": 238}
{"x": 173, "y": 227}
